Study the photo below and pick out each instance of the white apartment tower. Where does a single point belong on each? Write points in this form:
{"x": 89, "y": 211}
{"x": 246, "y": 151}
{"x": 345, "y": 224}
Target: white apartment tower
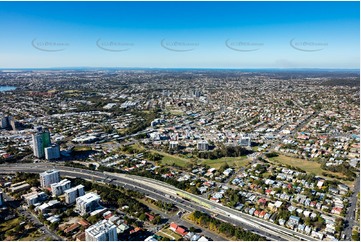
{"x": 58, "y": 188}
{"x": 87, "y": 203}
{"x": 101, "y": 231}
{"x": 72, "y": 193}
{"x": 49, "y": 177}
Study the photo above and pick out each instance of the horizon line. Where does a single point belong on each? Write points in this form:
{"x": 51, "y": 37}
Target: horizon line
{"x": 180, "y": 68}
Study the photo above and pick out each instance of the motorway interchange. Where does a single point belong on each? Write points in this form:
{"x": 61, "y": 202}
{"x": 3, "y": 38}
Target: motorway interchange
{"x": 163, "y": 191}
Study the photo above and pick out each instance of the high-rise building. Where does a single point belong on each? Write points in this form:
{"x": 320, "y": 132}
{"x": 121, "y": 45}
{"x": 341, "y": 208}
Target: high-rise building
{"x": 1, "y": 198}
{"x": 38, "y": 145}
{"x": 58, "y": 188}
{"x": 245, "y": 141}
{"x": 4, "y": 124}
{"x": 41, "y": 140}
{"x": 101, "y": 231}
{"x": 87, "y": 203}
{"x": 52, "y": 152}
{"x": 72, "y": 193}
{"x": 49, "y": 177}
{"x": 46, "y": 138}
{"x": 15, "y": 125}
{"x": 202, "y": 145}
{"x": 173, "y": 145}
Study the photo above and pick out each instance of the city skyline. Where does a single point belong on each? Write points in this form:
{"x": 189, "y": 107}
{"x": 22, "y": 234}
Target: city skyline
{"x": 209, "y": 35}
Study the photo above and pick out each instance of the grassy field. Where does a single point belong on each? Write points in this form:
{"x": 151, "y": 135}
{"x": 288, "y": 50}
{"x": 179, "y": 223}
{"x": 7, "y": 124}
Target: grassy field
{"x": 236, "y": 162}
{"x": 10, "y": 224}
{"x": 167, "y": 159}
{"x": 308, "y": 166}
{"x": 175, "y": 111}
{"x": 169, "y": 234}
{"x": 34, "y": 235}
{"x": 80, "y": 148}
{"x": 170, "y": 159}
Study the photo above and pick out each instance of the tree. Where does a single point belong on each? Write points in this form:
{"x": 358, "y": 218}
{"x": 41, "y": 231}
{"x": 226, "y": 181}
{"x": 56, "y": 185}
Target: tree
{"x": 192, "y": 229}
{"x": 54, "y": 226}
{"x": 157, "y": 220}
{"x": 93, "y": 219}
{"x": 143, "y": 217}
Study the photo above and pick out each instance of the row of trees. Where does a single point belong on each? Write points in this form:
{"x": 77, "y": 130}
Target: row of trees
{"x": 343, "y": 168}
{"x": 142, "y": 122}
{"x": 227, "y": 229}
{"x": 224, "y": 151}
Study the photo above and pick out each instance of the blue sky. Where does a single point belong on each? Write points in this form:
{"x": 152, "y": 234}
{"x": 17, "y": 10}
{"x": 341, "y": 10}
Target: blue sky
{"x": 180, "y": 34}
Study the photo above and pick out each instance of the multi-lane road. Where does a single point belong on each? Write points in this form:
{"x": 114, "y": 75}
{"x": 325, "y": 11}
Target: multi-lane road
{"x": 163, "y": 191}
{"x": 350, "y": 215}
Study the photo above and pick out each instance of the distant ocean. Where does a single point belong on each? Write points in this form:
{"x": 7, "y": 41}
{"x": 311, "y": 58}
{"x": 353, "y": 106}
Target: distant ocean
{"x": 6, "y": 88}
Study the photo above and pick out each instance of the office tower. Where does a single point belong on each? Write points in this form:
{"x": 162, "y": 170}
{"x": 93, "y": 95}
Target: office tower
{"x": 72, "y": 193}
{"x": 101, "y": 231}
{"x": 49, "y": 177}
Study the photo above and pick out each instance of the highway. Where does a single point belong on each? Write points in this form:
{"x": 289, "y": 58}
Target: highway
{"x": 158, "y": 190}
{"x": 351, "y": 216}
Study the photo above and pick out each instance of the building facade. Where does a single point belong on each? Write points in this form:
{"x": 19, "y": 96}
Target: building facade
{"x": 72, "y": 193}
{"x": 4, "y": 124}
{"x": 202, "y": 145}
{"x": 1, "y": 198}
{"x": 49, "y": 177}
{"x": 58, "y": 188}
{"x": 87, "y": 203}
{"x": 41, "y": 140}
{"x": 101, "y": 231}
{"x": 52, "y": 152}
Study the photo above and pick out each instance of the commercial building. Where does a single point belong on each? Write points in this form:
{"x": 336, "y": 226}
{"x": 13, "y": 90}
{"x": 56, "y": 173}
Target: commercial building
{"x": 202, "y": 145}
{"x": 72, "y": 193}
{"x": 52, "y": 152}
{"x": 245, "y": 141}
{"x": 58, "y": 188}
{"x": 173, "y": 145}
{"x": 87, "y": 203}
{"x": 49, "y": 177}
{"x": 101, "y": 231}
